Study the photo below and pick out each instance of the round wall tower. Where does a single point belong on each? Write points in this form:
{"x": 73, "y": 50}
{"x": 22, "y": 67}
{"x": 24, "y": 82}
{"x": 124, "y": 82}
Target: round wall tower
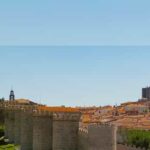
{"x": 65, "y": 130}
{"x": 17, "y": 125}
{"x": 6, "y": 122}
{"x": 9, "y": 123}
{"x": 27, "y": 128}
{"x": 42, "y": 130}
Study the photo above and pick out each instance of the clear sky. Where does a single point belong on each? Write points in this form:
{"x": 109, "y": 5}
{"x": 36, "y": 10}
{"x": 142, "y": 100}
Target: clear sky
{"x": 74, "y": 22}
{"x": 75, "y": 75}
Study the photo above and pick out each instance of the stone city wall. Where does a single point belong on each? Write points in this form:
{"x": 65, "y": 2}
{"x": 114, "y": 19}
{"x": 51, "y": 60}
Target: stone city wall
{"x": 37, "y": 129}
{"x": 65, "y": 131}
{"x": 42, "y": 131}
{"x": 26, "y": 132}
{"x": 83, "y": 139}
{"x": 98, "y": 137}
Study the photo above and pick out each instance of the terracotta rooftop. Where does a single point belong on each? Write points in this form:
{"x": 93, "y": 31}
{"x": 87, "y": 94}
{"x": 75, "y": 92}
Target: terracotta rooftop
{"x": 58, "y": 109}
{"x": 142, "y": 122}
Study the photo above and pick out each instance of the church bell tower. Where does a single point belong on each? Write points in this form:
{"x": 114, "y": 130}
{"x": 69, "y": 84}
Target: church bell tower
{"x": 12, "y": 96}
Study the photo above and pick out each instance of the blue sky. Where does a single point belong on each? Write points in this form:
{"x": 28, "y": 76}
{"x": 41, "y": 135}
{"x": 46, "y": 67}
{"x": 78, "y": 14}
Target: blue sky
{"x": 74, "y": 76}
{"x": 79, "y": 22}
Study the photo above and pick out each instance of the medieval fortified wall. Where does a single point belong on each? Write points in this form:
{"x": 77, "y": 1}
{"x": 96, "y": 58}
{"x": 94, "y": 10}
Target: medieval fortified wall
{"x": 36, "y": 128}
{"x": 98, "y": 137}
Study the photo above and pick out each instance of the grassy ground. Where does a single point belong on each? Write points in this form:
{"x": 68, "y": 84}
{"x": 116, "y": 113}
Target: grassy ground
{"x": 8, "y": 147}
{"x": 3, "y": 145}
{"x": 2, "y": 128}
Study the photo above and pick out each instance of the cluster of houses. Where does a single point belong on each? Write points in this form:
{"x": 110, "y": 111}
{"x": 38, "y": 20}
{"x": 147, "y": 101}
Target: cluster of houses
{"x": 123, "y": 115}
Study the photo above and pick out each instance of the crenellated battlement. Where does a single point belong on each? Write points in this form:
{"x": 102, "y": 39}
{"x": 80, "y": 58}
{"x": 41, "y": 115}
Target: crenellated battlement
{"x": 83, "y": 130}
{"x": 28, "y": 109}
{"x": 16, "y": 106}
{"x": 41, "y": 113}
{"x": 58, "y": 113}
{"x": 100, "y": 125}
{"x": 66, "y": 116}
{"x": 97, "y": 127}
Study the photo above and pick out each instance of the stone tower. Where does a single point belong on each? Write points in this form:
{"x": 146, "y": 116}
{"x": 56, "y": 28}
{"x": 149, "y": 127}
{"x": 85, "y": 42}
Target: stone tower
{"x": 12, "y": 96}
